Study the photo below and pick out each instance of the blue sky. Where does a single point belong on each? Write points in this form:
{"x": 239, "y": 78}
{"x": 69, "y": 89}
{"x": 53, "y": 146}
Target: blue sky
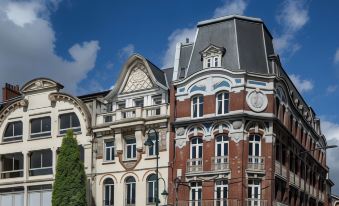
{"x": 83, "y": 43}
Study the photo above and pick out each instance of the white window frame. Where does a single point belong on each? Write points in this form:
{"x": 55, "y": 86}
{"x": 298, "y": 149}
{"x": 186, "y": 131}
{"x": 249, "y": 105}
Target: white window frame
{"x": 152, "y": 148}
{"x": 222, "y": 102}
{"x": 253, "y": 143}
{"x": 4, "y": 172}
{"x": 110, "y": 148}
{"x": 197, "y": 147}
{"x": 75, "y": 129}
{"x": 41, "y": 134}
{"x": 153, "y": 182}
{"x": 222, "y": 145}
{"x": 212, "y": 61}
{"x": 254, "y": 185}
{"x": 199, "y": 113}
{"x": 110, "y": 187}
{"x": 41, "y": 163}
{"x": 220, "y": 186}
{"x": 14, "y": 137}
{"x": 133, "y": 147}
{"x": 132, "y": 185}
{"x": 196, "y": 194}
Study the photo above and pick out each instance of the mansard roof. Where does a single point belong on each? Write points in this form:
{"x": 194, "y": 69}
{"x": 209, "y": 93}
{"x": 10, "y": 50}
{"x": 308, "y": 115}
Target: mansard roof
{"x": 247, "y": 41}
{"x": 156, "y": 75}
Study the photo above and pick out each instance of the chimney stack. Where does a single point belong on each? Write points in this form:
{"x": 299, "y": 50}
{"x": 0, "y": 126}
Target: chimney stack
{"x": 9, "y": 92}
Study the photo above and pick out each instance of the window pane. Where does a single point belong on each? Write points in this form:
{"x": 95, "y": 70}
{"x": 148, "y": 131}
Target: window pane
{"x": 46, "y": 124}
{"x": 35, "y": 126}
{"x": 17, "y": 128}
{"x": 6, "y": 199}
{"x": 75, "y": 120}
{"x": 226, "y": 106}
{"x": 18, "y": 161}
{"x": 9, "y": 130}
{"x": 34, "y": 199}
{"x": 65, "y": 121}
{"x": 256, "y": 150}
{"x": 35, "y": 160}
{"x": 47, "y": 158}
{"x": 195, "y": 114}
{"x": 19, "y": 199}
{"x": 129, "y": 151}
{"x": 201, "y": 109}
{"x": 134, "y": 151}
{"x": 108, "y": 154}
{"x": 250, "y": 149}
{"x": 47, "y": 198}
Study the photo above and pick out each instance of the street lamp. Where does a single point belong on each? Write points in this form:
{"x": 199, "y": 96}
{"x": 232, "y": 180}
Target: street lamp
{"x": 153, "y": 133}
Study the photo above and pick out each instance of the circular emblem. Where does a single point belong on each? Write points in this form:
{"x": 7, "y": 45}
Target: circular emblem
{"x": 257, "y": 101}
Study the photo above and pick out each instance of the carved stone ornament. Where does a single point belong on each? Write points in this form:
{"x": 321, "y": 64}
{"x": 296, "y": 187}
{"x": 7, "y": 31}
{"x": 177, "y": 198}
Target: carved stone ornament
{"x": 237, "y": 124}
{"x": 257, "y": 100}
{"x": 180, "y": 131}
{"x": 180, "y": 142}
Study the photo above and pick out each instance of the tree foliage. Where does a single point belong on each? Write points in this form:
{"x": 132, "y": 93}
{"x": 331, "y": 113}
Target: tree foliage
{"x": 69, "y": 188}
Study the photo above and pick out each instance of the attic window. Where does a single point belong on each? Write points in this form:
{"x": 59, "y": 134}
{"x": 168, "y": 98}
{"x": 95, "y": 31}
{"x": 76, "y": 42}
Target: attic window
{"x": 211, "y": 56}
{"x": 182, "y": 73}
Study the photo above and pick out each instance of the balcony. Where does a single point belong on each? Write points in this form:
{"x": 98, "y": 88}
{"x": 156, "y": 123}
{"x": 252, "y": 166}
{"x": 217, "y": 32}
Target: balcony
{"x": 280, "y": 170}
{"x": 194, "y": 166}
{"x": 132, "y": 113}
{"x": 219, "y": 163}
{"x": 219, "y": 202}
{"x": 256, "y": 164}
{"x": 255, "y": 202}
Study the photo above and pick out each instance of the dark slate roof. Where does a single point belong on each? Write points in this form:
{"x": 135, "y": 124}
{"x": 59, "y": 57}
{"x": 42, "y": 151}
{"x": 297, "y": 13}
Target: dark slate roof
{"x": 169, "y": 75}
{"x": 185, "y": 54}
{"x": 247, "y": 41}
{"x": 93, "y": 95}
{"x": 158, "y": 73}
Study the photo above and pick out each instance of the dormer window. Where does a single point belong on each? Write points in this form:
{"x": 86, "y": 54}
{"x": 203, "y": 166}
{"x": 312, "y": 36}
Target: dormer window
{"x": 211, "y": 56}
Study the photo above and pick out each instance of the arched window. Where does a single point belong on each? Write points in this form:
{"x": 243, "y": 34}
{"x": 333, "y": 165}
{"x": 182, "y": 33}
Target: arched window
{"x": 69, "y": 121}
{"x": 13, "y": 131}
{"x": 221, "y": 190}
{"x": 222, "y": 102}
{"x": 197, "y": 106}
{"x": 130, "y": 190}
{"x": 195, "y": 162}
{"x": 151, "y": 181}
{"x": 108, "y": 192}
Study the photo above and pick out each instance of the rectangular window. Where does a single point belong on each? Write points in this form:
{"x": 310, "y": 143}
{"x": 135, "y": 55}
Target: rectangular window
{"x": 222, "y": 103}
{"x": 12, "y": 196}
{"x": 253, "y": 192}
{"x": 13, "y": 131}
{"x": 41, "y": 127}
{"x": 109, "y": 150}
{"x": 40, "y": 163}
{"x": 221, "y": 192}
{"x": 131, "y": 148}
{"x": 196, "y": 194}
{"x": 130, "y": 200}
{"x": 69, "y": 121}
{"x": 198, "y": 106}
{"x": 152, "y": 150}
{"x": 139, "y": 102}
{"x": 121, "y": 105}
{"x": 12, "y": 165}
{"x": 40, "y": 195}
{"x": 182, "y": 73}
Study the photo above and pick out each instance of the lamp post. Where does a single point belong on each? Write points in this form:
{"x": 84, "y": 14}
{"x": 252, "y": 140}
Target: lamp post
{"x": 150, "y": 143}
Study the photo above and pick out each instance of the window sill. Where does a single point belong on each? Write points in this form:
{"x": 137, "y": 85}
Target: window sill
{"x": 151, "y": 157}
{"x": 74, "y": 133}
{"x": 37, "y": 138}
{"x": 108, "y": 162}
{"x": 129, "y": 160}
{"x": 10, "y": 142}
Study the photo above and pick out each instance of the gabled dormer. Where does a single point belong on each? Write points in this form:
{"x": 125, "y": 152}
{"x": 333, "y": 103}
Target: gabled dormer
{"x": 211, "y": 56}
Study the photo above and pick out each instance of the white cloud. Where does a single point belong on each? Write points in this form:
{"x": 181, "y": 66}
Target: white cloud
{"x": 336, "y": 57}
{"x": 177, "y": 36}
{"x": 303, "y": 85}
{"x": 331, "y": 131}
{"x": 292, "y": 17}
{"x": 28, "y": 46}
{"x": 332, "y": 88}
{"x": 126, "y": 51}
{"x": 231, "y": 7}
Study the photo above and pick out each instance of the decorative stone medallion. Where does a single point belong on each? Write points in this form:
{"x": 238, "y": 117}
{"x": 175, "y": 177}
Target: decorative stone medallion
{"x": 257, "y": 100}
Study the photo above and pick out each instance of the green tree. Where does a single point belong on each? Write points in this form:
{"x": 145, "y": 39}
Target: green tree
{"x": 69, "y": 188}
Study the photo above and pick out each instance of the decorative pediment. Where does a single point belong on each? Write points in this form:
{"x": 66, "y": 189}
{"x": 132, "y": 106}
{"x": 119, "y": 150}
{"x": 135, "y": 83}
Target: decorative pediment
{"x": 40, "y": 84}
{"x": 138, "y": 79}
{"x": 212, "y": 50}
